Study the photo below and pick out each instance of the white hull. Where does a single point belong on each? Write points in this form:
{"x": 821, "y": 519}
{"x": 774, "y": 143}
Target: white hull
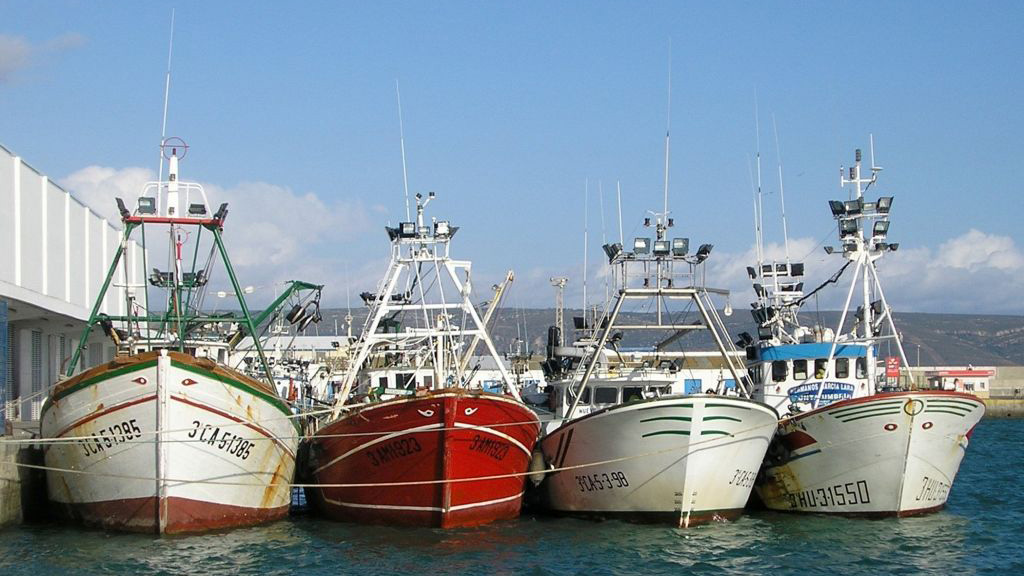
{"x": 684, "y": 460}
{"x": 884, "y": 455}
{"x": 225, "y": 456}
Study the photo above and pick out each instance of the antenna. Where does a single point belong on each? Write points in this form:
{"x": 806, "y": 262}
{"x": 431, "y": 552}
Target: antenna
{"x": 758, "y": 204}
{"x": 668, "y": 125}
{"x": 782, "y": 192}
{"x": 401, "y": 136}
{"x": 167, "y": 93}
{"x": 586, "y": 216}
{"x": 618, "y": 196}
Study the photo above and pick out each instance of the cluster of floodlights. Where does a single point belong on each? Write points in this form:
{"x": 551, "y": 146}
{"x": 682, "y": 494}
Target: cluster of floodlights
{"x": 676, "y": 248}
{"x": 848, "y": 212}
{"x": 442, "y": 229}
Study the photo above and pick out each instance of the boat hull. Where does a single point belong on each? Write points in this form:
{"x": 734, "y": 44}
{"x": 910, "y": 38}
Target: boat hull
{"x": 168, "y": 444}
{"x": 681, "y": 460}
{"x": 444, "y": 459}
{"x": 893, "y": 454}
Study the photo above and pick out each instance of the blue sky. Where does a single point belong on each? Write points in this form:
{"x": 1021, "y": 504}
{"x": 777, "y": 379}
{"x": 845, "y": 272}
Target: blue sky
{"x": 510, "y": 108}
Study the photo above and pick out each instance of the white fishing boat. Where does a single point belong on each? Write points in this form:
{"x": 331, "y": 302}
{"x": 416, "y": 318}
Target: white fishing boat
{"x": 625, "y": 442}
{"x": 166, "y": 437}
{"x": 849, "y": 441}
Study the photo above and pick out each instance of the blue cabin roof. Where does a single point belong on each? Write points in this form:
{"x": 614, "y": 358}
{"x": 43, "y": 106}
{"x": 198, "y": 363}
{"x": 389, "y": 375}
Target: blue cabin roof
{"x": 811, "y": 351}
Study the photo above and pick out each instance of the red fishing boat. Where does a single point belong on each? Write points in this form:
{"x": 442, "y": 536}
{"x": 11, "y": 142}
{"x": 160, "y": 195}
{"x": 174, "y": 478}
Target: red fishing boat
{"x": 410, "y": 441}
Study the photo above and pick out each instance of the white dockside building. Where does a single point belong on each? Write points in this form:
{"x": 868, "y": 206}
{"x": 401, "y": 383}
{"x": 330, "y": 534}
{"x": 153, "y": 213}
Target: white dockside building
{"x": 54, "y": 255}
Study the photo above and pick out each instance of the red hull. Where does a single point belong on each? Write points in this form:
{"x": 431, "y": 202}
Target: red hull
{"x": 183, "y": 515}
{"x": 429, "y": 445}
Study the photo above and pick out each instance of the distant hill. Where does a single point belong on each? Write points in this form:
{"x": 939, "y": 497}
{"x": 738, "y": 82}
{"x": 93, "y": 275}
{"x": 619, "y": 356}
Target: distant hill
{"x": 940, "y": 339}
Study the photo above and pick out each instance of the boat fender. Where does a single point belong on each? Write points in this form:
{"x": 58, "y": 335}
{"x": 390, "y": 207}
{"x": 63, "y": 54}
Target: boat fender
{"x": 538, "y": 468}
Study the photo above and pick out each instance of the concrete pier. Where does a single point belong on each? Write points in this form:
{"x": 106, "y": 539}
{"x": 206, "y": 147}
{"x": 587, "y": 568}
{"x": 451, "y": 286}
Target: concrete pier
{"x": 1004, "y": 407}
{"x": 22, "y": 489}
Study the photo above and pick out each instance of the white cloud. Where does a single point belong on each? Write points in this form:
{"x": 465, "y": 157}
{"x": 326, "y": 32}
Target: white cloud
{"x": 17, "y": 54}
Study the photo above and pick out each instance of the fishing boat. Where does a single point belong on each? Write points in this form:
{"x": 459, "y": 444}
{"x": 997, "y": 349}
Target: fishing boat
{"x": 852, "y": 440}
{"x": 409, "y": 442}
{"x": 627, "y": 441}
{"x": 166, "y": 437}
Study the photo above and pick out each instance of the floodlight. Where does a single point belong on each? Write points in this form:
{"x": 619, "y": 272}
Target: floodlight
{"x": 847, "y": 228}
{"x": 703, "y": 252}
{"x": 796, "y": 269}
{"x": 120, "y": 208}
{"x": 781, "y": 269}
{"x": 880, "y": 229}
{"x": 680, "y": 246}
{"x": 197, "y": 209}
{"x": 838, "y": 208}
{"x": 894, "y": 246}
{"x": 661, "y": 247}
{"x": 147, "y": 205}
{"x": 869, "y": 207}
{"x": 829, "y": 249}
{"x": 407, "y": 229}
{"x": 751, "y": 272}
{"x": 641, "y": 245}
{"x": 854, "y": 206}
{"x": 612, "y": 250}
{"x": 884, "y": 204}
{"x": 442, "y": 228}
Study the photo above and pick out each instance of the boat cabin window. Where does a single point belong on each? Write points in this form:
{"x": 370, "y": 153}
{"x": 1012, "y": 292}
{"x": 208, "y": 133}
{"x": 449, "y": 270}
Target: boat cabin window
{"x": 779, "y": 370}
{"x": 382, "y": 381}
{"x": 862, "y": 367}
{"x": 820, "y": 367}
{"x": 584, "y": 400}
{"x": 428, "y": 381}
{"x": 405, "y": 380}
{"x": 632, "y": 393}
{"x": 800, "y": 369}
{"x": 606, "y": 395}
{"x": 842, "y": 367}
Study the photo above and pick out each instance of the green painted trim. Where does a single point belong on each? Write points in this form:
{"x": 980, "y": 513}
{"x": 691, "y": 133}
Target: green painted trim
{"x": 669, "y": 406}
{"x": 865, "y": 410}
{"x": 662, "y": 432}
{"x": 950, "y": 403}
{"x": 730, "y": 418}
{"x": 715, "y": 432}
{"x": 887, "y": 403}
{"x": 95, "y": 380}
{"x": 676, "y": 418}
{"x": 273, "y": 400}
{"x": 869, "y": 416}
{"x": 934, "y": 410}
{"x": 710, "y": 405}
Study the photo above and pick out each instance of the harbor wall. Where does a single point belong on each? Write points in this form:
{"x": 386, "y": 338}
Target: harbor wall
{"x": 1004, "y": 408}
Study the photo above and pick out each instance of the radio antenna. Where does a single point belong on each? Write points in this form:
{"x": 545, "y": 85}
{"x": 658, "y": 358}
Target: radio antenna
{"x": 401, "y": 136}
{"x": 167, "y": 93}
{"x": 782, "y": 192}
{"x": 668, "y": 126}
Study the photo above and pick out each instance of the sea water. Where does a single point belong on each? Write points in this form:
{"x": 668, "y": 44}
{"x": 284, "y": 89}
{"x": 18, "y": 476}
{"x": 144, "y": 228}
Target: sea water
{"x": 980, "y": 532}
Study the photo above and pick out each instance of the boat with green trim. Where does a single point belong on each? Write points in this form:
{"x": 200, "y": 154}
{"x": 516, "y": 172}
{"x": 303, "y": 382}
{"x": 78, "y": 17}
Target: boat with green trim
{"x": 626, "y": 440}
{"x": 166, "y": 437}
{"x": 856, "y": 438}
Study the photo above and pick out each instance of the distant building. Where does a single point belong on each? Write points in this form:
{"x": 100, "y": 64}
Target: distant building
{"x": 977, "y": 381}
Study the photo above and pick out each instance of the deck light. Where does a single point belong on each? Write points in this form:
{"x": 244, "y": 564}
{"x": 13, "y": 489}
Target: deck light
{"x": 612, "y": 250}
{"x": 830, "y": 249}
{"x": 751, "y": 272}
{"x": 838, "y": 208}
{"x": 884, "y": 204}
{"x": 854, "y": 206}
{"x": 796, "y": 269}
{"x": 703, "y": 252}
{"x": 197, "y": 209}
{"x": 847, "y": 228}
{"x": 407, "y": 229}
{"x": 661, "y": 247}
{"x": 680, "y": 246}
{"x": 880, "y": 229}
{"x": 641, "y": 246}
{"x": 147, "y": 205}
{"x": 442, "y": 228}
